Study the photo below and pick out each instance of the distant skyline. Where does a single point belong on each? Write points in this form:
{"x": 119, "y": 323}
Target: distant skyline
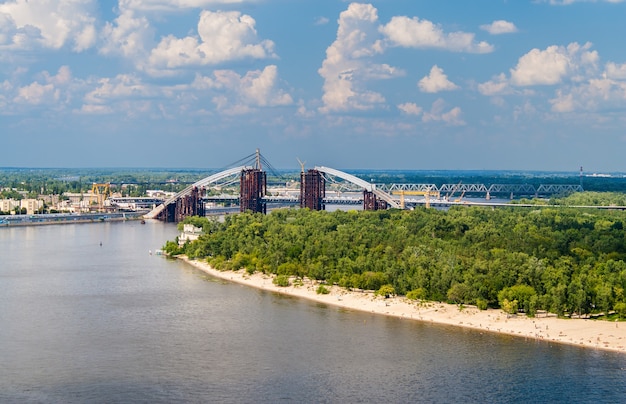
{"x": 402, "y": 84}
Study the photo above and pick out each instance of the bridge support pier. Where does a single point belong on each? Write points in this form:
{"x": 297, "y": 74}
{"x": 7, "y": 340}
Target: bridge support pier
{"x": 372, "y": 202}
{"x": 253, "y": 188}
{"x": 188, "y": 205}
{"x": 312, "y": 190}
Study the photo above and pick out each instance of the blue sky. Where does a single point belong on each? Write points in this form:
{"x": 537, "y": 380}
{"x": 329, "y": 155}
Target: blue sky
{"x": 389, "y": 84}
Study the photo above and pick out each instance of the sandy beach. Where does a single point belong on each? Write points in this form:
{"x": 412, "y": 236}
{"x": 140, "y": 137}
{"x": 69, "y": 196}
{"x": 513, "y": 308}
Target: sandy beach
{"x": 595, "y": 334}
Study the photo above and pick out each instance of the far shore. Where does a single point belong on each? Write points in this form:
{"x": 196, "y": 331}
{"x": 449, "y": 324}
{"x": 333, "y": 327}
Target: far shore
{"x": 587, "y": 333}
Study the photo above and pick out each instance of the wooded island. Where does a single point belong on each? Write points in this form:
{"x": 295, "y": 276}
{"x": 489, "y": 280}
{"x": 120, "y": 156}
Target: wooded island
{"x": 568, "y": 261}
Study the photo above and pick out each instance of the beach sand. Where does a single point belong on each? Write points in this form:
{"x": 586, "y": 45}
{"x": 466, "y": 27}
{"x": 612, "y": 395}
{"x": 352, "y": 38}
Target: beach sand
{"x": 596, "y": 334}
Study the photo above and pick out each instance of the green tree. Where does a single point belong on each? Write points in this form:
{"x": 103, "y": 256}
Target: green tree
{"x": 386, "y": 291}
{"x": 620, "y": 308}
{"x": 281, "y": 280}
{"x": 524, "y": 296}
{"x": 509, "y": 307}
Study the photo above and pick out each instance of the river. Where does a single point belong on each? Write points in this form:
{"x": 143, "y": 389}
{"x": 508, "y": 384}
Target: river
{"x": 87, "y": 314}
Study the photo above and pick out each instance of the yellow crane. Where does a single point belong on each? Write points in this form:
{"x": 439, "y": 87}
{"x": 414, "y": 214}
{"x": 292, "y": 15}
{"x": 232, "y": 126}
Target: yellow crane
{"x": 460, "y": 197}
{"x": 102, "y": 192}
{"x": 427, "y": 195}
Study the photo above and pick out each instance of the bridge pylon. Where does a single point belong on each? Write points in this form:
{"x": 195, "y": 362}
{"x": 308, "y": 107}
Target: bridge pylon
{"x": 253, "y": 187}
{"x": 312, "y": 190}
{"x": 373, "y": 202}
{"x": 190, "y": 204}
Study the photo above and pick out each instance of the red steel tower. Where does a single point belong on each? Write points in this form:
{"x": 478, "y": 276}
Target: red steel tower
{"x": 312, "y": 190}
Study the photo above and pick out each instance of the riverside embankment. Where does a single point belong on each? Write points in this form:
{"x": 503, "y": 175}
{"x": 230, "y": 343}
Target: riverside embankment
{"x": 66, "y": 218}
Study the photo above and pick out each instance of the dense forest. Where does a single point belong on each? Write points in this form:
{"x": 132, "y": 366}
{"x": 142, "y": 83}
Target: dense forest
{"x": 562, "y": 260}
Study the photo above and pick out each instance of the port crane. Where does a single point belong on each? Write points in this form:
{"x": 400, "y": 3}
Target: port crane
{"x": 102, "y": 192}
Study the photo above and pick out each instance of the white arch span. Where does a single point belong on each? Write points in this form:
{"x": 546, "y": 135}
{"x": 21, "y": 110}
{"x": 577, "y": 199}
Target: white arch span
{"x": 203, "y": 182}
{"x": 361, "y": 183}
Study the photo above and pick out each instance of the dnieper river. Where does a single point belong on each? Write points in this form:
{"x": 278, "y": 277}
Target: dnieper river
{"x": 82, "y": 322}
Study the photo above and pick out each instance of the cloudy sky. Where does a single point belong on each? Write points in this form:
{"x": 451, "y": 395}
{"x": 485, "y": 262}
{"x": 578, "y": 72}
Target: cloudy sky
{"x": 387, "y": 84}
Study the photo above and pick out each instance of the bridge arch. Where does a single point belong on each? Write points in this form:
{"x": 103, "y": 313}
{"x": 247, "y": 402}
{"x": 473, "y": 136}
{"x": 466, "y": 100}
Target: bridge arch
{"x": 361, "y": 183}
{"x": 198, "y": 184}
{"x": 237, "y": 171}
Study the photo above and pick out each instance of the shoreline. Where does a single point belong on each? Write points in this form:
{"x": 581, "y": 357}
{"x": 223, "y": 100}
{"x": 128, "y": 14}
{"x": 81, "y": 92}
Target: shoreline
{"x": 602, "y": 335}
{"x": 9, "y": 221}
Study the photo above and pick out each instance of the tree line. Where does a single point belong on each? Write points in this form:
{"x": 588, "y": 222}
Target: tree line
{"x": 50, "y": 181}
{"x": 562, "y": 260}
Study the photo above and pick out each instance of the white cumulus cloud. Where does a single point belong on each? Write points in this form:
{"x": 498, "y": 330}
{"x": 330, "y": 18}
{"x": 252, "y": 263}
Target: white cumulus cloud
{"x": 351, "y": 59}
{"x": 349, "y": 62}
{"x": 573, "y": 70}
{"x": 438, "y": 113}
{"x": 497, "y": 86}
{"x": 52, "y": 90}
{"x": 48, "y": 23}
{"x": 616, "y": 71}
{"x": 235, "y": 94}
{"x": 222, "y": 37}
{"x": 122, "y": 86}
{"x": 499, "y": 27}
{"x": 553, "y": 65}
{"x": 410, "y": 108}
{"x": 129, "y": 36}
{"x": 36, "y": 93}
{"x": 415, "y": 33}
{"x": 436, "y": 81}
{"x": 593, "y": 95}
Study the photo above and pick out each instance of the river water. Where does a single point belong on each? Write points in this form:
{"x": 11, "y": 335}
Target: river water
{"x": 83, "y": 322}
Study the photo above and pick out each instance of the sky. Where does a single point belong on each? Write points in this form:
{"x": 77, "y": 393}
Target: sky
{"x": 388, "y": 84}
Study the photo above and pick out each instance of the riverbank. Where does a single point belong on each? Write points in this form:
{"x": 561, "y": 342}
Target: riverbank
{"x": 66, "y": 218}
{"x": 597, "y": 334}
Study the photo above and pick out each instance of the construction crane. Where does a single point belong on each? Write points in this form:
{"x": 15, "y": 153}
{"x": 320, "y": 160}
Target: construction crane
{"x": 102, "y": 192}
{"x": 301, "y": 164}
{"x": 456, "y": 187}
{"x": 427, "y": 195}
{"x": 460, "y": 197}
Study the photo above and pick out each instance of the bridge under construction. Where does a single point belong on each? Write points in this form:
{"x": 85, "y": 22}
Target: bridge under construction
{"x": 253, "y": 191}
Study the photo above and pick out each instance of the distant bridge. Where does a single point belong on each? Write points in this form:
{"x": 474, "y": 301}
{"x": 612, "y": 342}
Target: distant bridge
{"x": 312, "y": 191}
{"x": 486, "y": 191}
{"x": 253, "y": 192}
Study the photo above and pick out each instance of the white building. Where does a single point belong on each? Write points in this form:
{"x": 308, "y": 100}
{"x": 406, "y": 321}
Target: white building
{"x": 7, "y": 205}
{"x": 79, "y": 201}
{"x": 157, "y": 193}
{"x": 190, "y": 233}
{"x": 32, "y": 205}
